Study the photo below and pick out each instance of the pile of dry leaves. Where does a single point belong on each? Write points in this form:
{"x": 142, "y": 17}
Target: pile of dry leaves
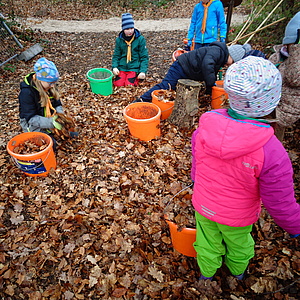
{"x": 94, "y": 228}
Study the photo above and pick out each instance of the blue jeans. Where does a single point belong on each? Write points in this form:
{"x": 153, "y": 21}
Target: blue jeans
{"x": 175, "y": 72}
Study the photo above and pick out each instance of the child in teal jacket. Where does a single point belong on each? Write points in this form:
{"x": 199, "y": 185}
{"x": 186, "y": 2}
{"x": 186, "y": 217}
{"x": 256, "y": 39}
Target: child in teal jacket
{"x": 130, "y": 58}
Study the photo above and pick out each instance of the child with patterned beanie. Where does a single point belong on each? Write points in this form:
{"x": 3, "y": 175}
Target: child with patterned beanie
{"x": 130, "y": 59}
{"x": 39, "y": 99}
{"x": 238, "y": 145}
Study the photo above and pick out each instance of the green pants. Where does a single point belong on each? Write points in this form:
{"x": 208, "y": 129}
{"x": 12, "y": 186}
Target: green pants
{"x": 214, "y": 240}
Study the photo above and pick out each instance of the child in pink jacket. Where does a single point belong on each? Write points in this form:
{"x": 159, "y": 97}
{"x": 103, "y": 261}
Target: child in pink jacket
{"x": 237, "y": 164}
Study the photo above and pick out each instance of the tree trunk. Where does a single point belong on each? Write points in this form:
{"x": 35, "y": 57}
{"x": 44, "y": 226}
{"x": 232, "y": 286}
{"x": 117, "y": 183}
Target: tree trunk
{"x": 186, "y": 102}
{"x": 279, "y": 132}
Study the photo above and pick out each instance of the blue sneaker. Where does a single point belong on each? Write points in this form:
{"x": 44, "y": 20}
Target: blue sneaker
{"x": 240, "y": 277}
{"x": 205, "y": 278}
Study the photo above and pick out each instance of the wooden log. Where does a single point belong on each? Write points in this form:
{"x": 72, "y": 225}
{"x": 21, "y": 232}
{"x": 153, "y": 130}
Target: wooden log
{"x": 279, "y": 132}
{"x": 186, "y": 102}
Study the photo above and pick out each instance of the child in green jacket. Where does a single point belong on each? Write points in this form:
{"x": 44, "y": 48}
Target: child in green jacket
{"x": 130, "y": 58}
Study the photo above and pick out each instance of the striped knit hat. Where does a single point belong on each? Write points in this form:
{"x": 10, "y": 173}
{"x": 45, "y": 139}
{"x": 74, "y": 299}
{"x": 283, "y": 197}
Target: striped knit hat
{"x": 253, "y": 85}
{"x": 127, "y": 21}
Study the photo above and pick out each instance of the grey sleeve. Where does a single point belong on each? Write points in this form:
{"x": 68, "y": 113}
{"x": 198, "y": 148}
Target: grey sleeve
{"x": 41, "y": 122}
{"x": 59, "y": 109}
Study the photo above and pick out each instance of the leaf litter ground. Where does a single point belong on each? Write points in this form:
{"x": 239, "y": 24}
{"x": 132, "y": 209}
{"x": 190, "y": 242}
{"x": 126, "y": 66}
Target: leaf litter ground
{"x": 94, "y": 228}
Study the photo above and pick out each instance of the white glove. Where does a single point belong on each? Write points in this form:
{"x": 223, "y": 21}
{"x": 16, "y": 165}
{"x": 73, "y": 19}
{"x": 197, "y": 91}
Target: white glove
{"x": 141, "y": 76}
{"x": 116, "y": 71}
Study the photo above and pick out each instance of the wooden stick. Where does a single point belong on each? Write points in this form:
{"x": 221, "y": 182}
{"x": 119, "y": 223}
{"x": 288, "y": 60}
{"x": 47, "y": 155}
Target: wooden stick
{"x": 257, "y": 30}
{"x": 265, "y": 20}
{"x": 243, "y": 28}
{"x": 242, "y": 32}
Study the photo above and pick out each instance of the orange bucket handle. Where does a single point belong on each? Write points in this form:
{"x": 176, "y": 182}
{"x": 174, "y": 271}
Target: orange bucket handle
{"x": 15, "y": 160}
{"x": 174, "y": 197}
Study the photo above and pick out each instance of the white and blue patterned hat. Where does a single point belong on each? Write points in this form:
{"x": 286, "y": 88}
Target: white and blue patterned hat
{"x": 253, "y": 85}
{"x": 45, "y": 70}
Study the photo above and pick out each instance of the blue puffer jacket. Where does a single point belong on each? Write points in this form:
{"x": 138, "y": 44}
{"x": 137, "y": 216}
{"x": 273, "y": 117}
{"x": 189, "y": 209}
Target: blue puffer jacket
{"x": 215, "y": 22}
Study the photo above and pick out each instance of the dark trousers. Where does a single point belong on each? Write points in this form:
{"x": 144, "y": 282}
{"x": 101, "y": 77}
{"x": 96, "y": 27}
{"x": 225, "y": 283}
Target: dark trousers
{"x": 175, "y": 72}
{"x": 198, "y": 45}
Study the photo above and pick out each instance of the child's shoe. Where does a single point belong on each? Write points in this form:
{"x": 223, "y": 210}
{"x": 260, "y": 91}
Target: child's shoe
{"x": 205, "y": 278}
{"x": 240, "y": 277}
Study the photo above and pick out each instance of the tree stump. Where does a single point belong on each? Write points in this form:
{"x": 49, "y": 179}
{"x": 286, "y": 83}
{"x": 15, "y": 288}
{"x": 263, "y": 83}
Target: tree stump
{"x": 186, "y": 102}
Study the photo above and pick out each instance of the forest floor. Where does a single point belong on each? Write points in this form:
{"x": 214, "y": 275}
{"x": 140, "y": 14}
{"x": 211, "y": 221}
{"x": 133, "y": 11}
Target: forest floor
{"x": 95, "y": 228}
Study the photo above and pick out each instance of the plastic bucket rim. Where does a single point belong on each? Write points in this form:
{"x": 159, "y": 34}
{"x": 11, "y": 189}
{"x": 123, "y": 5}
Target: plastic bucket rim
{"x": 155, "y": 92}
{"x": 185, "y": 229}
{"x": 142, "y": 120}
{"x": 99, "y": 80}
{"x": 100, "y": 69}
{"x": 32, "y": 155}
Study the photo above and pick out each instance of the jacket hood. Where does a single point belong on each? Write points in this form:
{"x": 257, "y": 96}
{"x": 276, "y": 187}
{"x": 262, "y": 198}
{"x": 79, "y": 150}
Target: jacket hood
{"x": 136, "y": 32}
{"x": 223, "y": 47}
{"x": 227, "y": 138}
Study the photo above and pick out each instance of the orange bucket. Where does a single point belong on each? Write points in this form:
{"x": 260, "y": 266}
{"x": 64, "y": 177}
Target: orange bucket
{"x": 177, "y": 53}
{"x": 216, "y": 96}
{"x": 143, "y": 120}
{"x": 182, "y": 240}
{"x": 35, "y": 164}
{"x": 165, "y": 107}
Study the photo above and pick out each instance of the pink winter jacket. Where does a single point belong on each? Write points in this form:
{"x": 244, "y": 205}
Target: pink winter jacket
{"x": 236, "y": 165}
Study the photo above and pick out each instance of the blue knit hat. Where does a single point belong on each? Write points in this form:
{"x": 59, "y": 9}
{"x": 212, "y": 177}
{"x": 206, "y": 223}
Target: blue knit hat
{"x": 253, "y": 85}
{"x": 127, "y": 21}
{"x": 290, "y": 35}
{"x": 45, "y": 70}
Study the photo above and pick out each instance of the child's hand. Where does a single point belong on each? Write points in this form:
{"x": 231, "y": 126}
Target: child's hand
{"x": 141, "y": 76}
{"x": 56, "y": 124}
{"x": 116, "y": 71}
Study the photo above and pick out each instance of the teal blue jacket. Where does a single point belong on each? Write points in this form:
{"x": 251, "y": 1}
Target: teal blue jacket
{"x": 139, "y": 54}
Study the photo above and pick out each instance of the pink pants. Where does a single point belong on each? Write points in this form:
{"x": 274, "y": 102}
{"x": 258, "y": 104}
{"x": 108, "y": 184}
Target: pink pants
{"x": 126, "y": 78}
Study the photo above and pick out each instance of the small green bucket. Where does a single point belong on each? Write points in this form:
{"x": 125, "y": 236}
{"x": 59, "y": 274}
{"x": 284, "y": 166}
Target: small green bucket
{"x": 100, "y": 81}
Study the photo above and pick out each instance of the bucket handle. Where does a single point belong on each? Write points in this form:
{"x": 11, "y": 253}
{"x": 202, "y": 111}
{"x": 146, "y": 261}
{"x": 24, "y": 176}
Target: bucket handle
{"x": 14, "y": 160}
{"x": 175, "y": 196}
